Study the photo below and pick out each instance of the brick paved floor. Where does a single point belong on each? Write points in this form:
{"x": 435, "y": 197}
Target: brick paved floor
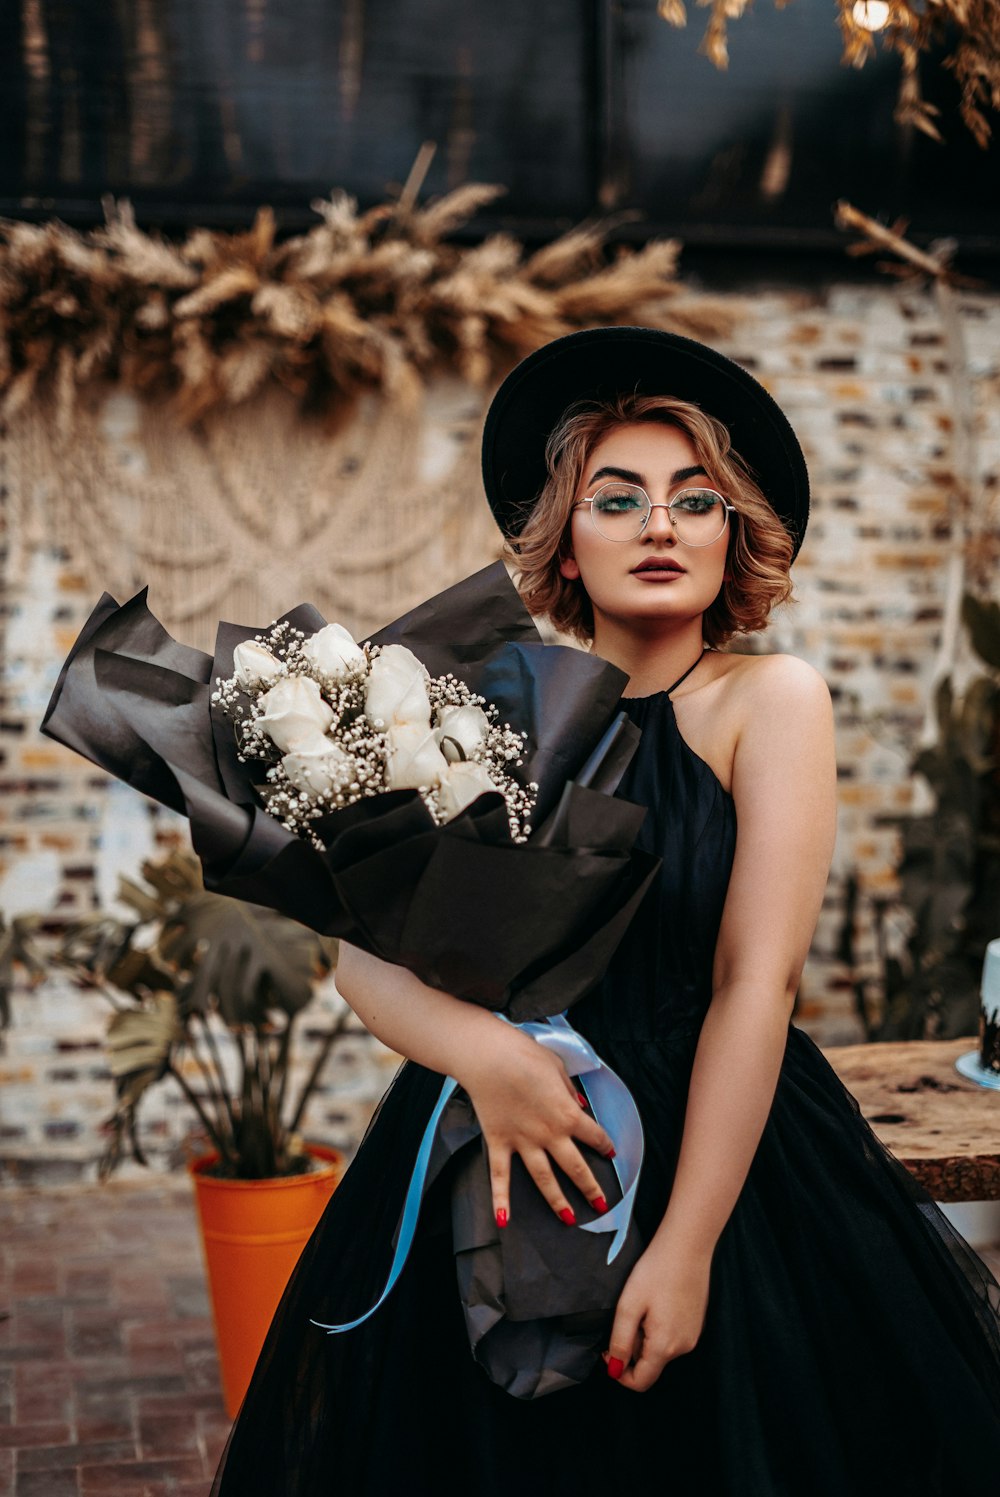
{"x": 108, "y": 1375}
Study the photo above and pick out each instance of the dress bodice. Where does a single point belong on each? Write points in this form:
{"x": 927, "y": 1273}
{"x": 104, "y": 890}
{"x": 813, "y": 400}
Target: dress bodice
{"x": 660, "y": 976}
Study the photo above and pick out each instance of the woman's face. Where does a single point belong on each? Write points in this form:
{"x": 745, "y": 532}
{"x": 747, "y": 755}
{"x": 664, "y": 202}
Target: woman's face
{"x": 662, "y": 460}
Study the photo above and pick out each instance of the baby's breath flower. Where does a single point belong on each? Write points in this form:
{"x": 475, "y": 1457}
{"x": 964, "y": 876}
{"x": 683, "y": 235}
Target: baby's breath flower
{"x": 366, "y": 743}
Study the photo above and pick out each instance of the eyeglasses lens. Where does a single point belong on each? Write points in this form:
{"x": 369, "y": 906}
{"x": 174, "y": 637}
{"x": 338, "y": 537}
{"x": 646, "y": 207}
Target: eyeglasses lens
{"x": 620, "y": 512}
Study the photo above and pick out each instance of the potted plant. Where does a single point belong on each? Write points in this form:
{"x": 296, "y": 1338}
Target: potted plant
{"x": 929, "y": 938}
{"x": 208, "y": 990}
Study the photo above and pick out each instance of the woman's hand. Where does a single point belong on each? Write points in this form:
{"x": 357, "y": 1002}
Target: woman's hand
{"x": 527, "y": 1105}
{"x": 660, "y": 1315}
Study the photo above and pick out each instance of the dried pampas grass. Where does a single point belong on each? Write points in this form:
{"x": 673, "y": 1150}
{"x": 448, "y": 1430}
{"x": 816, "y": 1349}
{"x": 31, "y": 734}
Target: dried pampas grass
{"x": 374, "y": 300}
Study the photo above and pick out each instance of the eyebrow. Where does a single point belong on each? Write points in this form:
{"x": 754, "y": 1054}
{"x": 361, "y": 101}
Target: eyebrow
{"x": 629, "y": 477}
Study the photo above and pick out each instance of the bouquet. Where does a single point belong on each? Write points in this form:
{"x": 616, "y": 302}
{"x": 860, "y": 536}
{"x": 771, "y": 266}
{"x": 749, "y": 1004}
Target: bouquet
{"x": 337, "y": 721}
{"x": 443, "y": 797}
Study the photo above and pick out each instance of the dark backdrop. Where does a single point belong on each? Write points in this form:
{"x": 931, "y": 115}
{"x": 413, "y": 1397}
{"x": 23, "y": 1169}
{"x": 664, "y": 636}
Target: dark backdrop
{"x": 199, "y": 110}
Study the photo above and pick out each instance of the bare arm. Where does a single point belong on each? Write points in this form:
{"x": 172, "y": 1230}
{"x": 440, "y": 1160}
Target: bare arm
{"x": 420, "y": 1022}
{"x": 784, "y": 786}
{"x": 522, "y": 1093}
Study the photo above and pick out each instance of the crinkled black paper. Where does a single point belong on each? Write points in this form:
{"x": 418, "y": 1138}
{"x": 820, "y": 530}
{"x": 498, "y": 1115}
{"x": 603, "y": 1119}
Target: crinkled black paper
{"x": 525, "y": 928}
{"x": 538, "y": 1295}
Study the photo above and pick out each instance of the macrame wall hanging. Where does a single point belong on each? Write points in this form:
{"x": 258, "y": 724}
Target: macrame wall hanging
{"x": 255, "y": 509}
{"x": 243, "y": 422}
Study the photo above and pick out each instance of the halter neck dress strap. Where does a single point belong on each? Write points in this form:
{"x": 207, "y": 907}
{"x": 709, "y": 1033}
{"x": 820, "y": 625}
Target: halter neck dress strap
{"x": 687, "y": 673}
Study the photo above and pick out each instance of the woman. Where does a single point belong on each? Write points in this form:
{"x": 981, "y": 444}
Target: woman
{"x": 803, "y": 1318}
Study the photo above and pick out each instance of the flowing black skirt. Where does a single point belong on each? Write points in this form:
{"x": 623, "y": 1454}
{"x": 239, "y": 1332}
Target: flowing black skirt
{"x": 851, "y": 1343}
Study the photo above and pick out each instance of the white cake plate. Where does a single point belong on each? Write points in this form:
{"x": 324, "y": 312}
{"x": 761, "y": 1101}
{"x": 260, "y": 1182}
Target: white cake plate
{"x": 968, "y": 1065}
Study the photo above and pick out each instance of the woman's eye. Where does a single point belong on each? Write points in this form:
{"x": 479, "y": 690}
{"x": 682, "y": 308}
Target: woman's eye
{"x": 700, "y": 503}
{"x": 620, "y": 499}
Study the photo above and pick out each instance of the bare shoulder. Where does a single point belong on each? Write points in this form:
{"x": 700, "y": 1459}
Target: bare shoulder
{"x": 753, "y": 704}
{"x": 782, "y": 717}
{"x": 757, "y": 684}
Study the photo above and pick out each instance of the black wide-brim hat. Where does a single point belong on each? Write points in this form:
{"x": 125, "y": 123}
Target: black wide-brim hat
{"x": 606, "y": 361}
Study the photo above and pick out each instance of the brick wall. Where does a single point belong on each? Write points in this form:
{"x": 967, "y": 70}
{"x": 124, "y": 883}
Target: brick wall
{"x": 862, "y": 373}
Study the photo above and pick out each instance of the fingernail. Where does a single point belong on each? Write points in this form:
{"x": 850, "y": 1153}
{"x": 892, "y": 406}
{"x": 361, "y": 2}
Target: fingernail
{"x": 599, "y": 1203}
{"x": 567, "y": 1216}
{"x": 581, "y": 1099}
{"x": 610, "y": 1154}
{"x": 615, "y": 1367}
{"x": 501, "y": 1217}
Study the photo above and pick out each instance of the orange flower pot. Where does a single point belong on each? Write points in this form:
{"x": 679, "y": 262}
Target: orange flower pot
{"x": 252, "y": 1234}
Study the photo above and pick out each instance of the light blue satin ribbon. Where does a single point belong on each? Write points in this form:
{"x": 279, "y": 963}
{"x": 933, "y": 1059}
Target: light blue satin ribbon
{"x": 614, "y": 1108}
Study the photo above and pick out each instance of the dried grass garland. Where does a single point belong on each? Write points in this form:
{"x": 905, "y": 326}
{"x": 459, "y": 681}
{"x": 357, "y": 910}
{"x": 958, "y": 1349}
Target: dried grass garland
{"x": 363, "y": 301}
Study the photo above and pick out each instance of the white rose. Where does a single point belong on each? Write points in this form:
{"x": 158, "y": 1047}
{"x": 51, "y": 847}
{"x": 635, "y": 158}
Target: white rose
{"x": 317, "y": 765}
{"x": 254, "y": 665}
{"x": 413, "y": 757}
{"x": 332, "y": 652}
{"x": 293, "y": 711}
{"x": 460, "y": 784}
{"x": 396, "y": 689}
{"x": 469, "y": 725}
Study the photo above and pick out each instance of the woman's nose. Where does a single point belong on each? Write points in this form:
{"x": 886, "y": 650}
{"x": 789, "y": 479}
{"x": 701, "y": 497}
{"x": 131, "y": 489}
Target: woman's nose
{"x": 660, "y": 523}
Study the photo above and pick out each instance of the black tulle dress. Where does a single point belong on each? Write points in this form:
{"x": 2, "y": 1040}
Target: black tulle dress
{"x": 852, "y": 1337}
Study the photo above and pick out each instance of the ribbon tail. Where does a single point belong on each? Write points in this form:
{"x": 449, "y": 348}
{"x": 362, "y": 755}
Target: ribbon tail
{"x": 614, "y": 1108}
{"x": 411, "y": 1210}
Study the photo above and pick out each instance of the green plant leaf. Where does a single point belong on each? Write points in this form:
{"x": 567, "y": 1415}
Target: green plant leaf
{"x": 93, "y": 945}
{"x": 171, "y": 881}
{"x": 944, "y": 702}
{"x": 147, "y": 906}
{"x": 245, "y": 960}
{"x": 138, "y": 971}
{"x": 978, "y": 722}
{"x": 17, "y": 948}
{"x": 981, "y": 617}
{"x": 175, "y": 877}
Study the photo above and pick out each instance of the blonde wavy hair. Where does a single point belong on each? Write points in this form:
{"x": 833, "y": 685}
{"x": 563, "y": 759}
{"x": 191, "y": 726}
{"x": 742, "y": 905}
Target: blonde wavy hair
{"x": 760, "y": 548}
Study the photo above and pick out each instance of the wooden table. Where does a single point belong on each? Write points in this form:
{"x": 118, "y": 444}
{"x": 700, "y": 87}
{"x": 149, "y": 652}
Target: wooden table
{"x": 944, "y": 1128}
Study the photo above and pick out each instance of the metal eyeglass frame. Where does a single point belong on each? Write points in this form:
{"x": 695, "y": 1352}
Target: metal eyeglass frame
{"x": 729, "y": 509}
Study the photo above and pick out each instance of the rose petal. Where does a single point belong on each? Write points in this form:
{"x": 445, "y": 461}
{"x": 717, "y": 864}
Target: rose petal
{"x": 332, "y": 652}
{"x": 254, "y": 665}
{"x": 413, "y": 757}
{"x": 318, "y": 766}
{"x": 459, "y": 786}
{"x": 293, "y": 711}
{"x": 468, "y": 725}
{"x": 396, "y": 689}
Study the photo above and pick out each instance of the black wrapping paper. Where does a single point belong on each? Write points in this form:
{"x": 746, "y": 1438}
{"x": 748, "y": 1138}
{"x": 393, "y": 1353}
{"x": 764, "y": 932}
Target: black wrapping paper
{"x": 525, "y": 929}
{"x": 537, "y": 1296}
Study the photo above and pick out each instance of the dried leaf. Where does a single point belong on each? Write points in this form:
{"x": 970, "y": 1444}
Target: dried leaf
{"x": 139, "y": 1041}
{"x": 672, "y": 11}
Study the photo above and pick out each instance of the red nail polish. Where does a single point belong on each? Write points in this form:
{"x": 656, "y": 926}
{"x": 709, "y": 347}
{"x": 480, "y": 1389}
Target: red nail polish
{"x": 599, "y": 1203}
{"x": 610, "y": 1154}
{"x": 501, "y": 1217}
{"x": 567, "y": 1216}
{"x": 615, "y": 1367}
{"x": 581, "y": 1099}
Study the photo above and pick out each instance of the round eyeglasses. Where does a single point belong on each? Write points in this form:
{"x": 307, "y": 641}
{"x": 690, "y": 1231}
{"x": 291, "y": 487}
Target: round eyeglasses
{"x": 620, "y": 512}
